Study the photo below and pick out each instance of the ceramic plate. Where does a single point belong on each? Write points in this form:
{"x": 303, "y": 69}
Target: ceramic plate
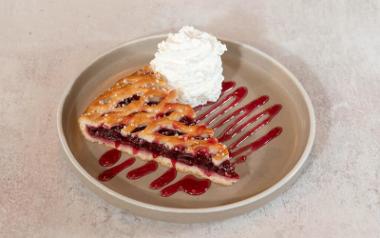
{"x": 266, "y": 172}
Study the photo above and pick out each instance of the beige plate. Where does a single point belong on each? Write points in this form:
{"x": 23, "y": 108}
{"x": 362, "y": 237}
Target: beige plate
{"x": 266, "y": 173}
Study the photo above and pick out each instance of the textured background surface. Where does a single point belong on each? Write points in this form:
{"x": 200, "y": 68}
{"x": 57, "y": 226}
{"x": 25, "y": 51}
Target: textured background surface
{"x": 333, "y": 47}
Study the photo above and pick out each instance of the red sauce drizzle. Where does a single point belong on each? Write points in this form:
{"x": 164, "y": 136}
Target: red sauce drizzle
{"x": 257, "y": 144}
{"x": 165, "y": 178}
{"x": 188, "y": 184}
{"x": 141, "y": 171}
{"x": 229, "y": 133}
{"x": 227, "y": 85}
{"x": 237, "y": 96}
{"x": 112, "y": 172}
{"x": 110, "y": 158}
{"x": 241, "y": 114}
{"x": 117, "y": 144}
{"x": 135, "y": 150}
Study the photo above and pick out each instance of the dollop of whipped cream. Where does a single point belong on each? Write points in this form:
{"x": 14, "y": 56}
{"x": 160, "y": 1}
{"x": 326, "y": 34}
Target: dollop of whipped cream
{"x": 190, "y": 60}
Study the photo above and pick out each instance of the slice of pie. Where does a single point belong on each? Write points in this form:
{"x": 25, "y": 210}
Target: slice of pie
{"x": 141, "y": 116}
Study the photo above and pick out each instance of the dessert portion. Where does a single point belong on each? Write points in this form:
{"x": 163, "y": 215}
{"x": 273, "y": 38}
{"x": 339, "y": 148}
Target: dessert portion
{"x": 140, "y": 114}
{"x": 190, "y": 61}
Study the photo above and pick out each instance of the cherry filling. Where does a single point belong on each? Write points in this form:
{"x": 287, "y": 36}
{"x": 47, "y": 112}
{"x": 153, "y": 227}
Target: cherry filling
{"x": 127, "y": 101}
{"x": 152, "y": 103}
{"x": 137, "y": 129}
{"x": 169, "y": 132}
{"x": 201, "y": 159}
{"x": 187, "y": 121}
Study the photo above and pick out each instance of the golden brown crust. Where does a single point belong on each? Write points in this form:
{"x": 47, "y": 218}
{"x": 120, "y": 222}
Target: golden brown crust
{"x": 140, "y": 88}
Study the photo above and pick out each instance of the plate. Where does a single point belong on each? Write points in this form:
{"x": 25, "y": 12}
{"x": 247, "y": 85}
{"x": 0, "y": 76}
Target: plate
{"x": 265, "y": 174}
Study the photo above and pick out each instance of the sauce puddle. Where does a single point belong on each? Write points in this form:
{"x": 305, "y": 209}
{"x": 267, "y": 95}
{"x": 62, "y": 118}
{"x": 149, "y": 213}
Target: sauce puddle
{"x": 188, "y": 184}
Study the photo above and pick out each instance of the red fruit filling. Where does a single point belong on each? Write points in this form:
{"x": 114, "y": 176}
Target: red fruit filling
{"x": 201, "y": 159}
{"x": 127, "y": 101}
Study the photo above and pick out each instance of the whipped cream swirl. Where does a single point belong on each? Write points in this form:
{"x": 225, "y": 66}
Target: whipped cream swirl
{"x": 190, "y": 60}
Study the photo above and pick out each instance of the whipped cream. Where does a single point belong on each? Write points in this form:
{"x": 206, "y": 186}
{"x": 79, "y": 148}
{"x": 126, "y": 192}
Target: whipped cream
{"x": 190, "y": 60}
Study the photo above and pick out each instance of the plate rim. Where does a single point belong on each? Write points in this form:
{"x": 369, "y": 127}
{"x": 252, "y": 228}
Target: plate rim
{"x": 267, "y": 193}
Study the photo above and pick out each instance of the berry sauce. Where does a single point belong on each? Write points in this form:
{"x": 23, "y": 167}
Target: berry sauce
{"x": 188, "y": 184}
{"x": 112, "y": 172}
{"x": 110, "y": 158}
{"x": 147, "y": 168}
{"x": 164, "y": 179}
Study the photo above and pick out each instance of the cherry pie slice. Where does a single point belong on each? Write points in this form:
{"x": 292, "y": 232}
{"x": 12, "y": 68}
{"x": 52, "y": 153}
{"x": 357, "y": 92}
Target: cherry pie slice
{"x": 141, "y": 116}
